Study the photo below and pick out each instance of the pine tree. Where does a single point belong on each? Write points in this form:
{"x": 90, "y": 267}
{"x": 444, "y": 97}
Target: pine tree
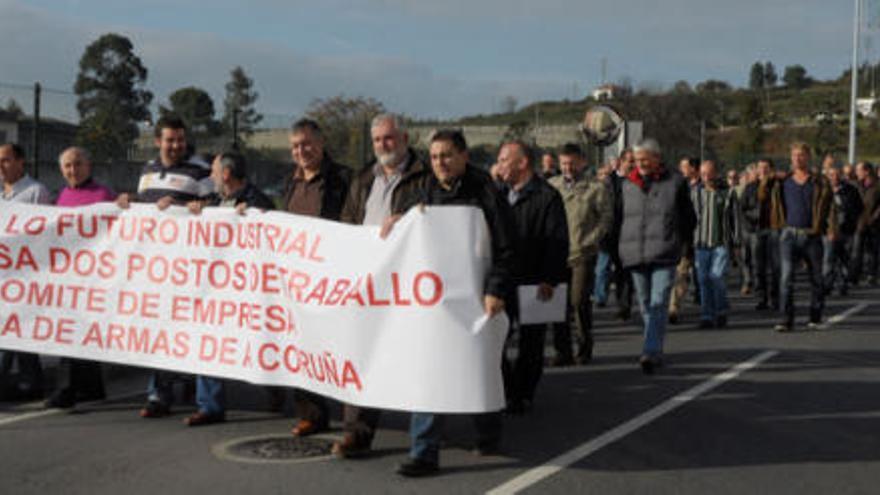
{"x": 240, "y": 97}
{"x": 112, "y": 98}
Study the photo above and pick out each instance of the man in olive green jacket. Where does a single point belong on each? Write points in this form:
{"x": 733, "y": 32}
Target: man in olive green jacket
{"x": 590, "y": 214}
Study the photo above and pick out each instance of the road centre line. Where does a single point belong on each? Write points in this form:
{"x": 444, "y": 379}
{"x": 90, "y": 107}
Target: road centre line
{"x": 582, "y": 451}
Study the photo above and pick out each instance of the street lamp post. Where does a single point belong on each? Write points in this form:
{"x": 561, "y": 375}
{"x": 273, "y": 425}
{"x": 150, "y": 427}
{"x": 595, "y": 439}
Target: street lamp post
{"x": 854, "y": 83}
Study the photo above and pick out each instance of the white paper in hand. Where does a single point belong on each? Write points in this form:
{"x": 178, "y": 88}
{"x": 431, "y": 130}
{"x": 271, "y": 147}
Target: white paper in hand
{"x": 533, "y": 311}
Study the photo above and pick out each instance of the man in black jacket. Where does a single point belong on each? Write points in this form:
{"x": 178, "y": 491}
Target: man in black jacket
{"x": 755, "y": 208}
{"x": 848, "y": 208}
{"x": 452, "y": 181}
{"x": 620, "y": 276}
{"x": 542, "y": 250}
{"x": 317, "y": 187}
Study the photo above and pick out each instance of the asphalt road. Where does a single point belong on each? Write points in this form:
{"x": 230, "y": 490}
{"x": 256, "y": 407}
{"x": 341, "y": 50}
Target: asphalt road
{"x": 738, "y": 410}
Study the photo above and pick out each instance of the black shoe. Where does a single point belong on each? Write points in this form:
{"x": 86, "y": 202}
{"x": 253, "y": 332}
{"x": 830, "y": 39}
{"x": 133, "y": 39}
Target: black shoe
{"x": 762, "y": 306}
{"x": 90, "y": 396}
{"x": 561, "y": 360}
{"x": 624, "y": 314}
{"x": 21, "y": 392}
{"x": 815, "y": 319}
{"x": 601, "y": 304}
{"x": 674, "y": 319}
{"x": 648, "y": 364}
{"x": 417, "y": 468}
{"x": 584, "y": 356}
{"x": 706, "y": 324}
{"x": 61, "y": 399}
{"x": 486, "y": 449}
{"x": 844, "y": 291}
{"x": 721, "y": 321}
{"x": 518, "y": 407}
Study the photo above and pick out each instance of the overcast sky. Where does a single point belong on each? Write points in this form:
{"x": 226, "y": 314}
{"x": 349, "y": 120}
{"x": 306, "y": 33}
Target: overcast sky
{"x": 424, "y": 58}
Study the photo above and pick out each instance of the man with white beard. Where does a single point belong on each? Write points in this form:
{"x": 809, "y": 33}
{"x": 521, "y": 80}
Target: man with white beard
{"x": 369, "y": 203}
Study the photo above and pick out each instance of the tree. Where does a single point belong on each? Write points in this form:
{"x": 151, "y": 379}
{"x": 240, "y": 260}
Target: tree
{"x": 713, "y": 86}
{"x": 112, "y": 98}
{"x": 240, "y": 97}
{"x": 795, "y": 77}
{"x": 13, "y": 109}
{"x": 345, "y": 123}
{"x": 751, "y": 135}
{"x": 196, "y": 108}
{"x": 770, "y": 76}
{"x": 508, "y": 104}
{"x": 756, "y": 76}
{"x": 682, "y": 88}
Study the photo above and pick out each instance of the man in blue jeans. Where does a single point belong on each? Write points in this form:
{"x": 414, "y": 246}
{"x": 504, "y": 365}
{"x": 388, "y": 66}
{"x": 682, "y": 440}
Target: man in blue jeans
{"x": 715, "y": 206}
{"x": 658, "y": 219}
{"x": 801, "y": 206}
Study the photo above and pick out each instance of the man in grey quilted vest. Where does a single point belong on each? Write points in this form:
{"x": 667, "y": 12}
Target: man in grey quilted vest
{"x": 658, "y": 218}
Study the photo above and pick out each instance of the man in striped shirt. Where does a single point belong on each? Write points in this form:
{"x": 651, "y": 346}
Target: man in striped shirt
{"x": 174, "y": 179}
{"x": 715, "y": 207}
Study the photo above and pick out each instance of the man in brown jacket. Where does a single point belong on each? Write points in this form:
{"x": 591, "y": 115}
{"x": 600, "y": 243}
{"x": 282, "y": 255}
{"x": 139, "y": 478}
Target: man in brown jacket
{"x": 369, "y": 203}
{"x": 801, "y": 206}
{"x": 317, "y": 187}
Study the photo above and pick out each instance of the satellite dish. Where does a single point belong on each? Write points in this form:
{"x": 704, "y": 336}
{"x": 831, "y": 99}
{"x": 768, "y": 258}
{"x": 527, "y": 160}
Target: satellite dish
{"x": 602, "y": 125}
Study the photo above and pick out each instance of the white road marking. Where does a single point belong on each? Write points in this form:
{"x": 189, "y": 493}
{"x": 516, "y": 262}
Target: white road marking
{"x": 51, "y": 412}
{"x": 846, "y": 314}
{"x": 580, "y": 452}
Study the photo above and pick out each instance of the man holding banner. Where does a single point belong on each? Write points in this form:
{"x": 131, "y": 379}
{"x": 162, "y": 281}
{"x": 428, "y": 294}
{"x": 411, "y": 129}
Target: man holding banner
{"x": 369, "y": 203}
{"x": 317, "y": 187}
{"x": 19, "y": 187}
{"x": 172, "y": 179}
{"x": 453, "y": 181}
{"x": 84, "y": 379}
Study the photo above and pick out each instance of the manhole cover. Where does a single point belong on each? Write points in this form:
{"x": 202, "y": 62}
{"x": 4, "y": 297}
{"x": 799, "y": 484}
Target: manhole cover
{"x": 276, "y": 449}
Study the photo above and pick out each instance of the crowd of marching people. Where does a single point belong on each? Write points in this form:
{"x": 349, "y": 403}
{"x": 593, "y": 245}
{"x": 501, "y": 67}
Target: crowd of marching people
{"x": 633, "y": 228}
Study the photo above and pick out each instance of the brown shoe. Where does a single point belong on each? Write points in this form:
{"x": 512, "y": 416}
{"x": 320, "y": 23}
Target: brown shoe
{"x": 306, "y": 427}
{"x": 349, "y": 448}
{"x": 202, "y": 418}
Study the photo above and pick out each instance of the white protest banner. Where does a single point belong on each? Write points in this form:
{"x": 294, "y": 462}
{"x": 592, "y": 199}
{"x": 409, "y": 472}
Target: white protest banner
{"x": 270, "y": 298}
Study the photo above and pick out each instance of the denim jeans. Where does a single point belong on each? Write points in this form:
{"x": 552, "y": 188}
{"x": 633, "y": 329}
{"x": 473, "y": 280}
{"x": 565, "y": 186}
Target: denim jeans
{"x": 835, "y": 262}
{"x": 653, "y": 286}
{"x": 864, "y": 255}
{"x": 210, "y": 395}
{"x": 425, "y": 430}
{"x": 603, "y": 272}
{"x": 160, "y": 387}
{"x": 765, "y": 249}
{"x": 712, "y": 266}
{"x": 795, "y": 245}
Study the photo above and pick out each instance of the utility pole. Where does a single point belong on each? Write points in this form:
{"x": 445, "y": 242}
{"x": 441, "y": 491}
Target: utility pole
{"x": 235, "y": 144}
{"x": 854, "y": 83}
{"x": 35, "y": 136}
{"x": 702, "y": 140}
